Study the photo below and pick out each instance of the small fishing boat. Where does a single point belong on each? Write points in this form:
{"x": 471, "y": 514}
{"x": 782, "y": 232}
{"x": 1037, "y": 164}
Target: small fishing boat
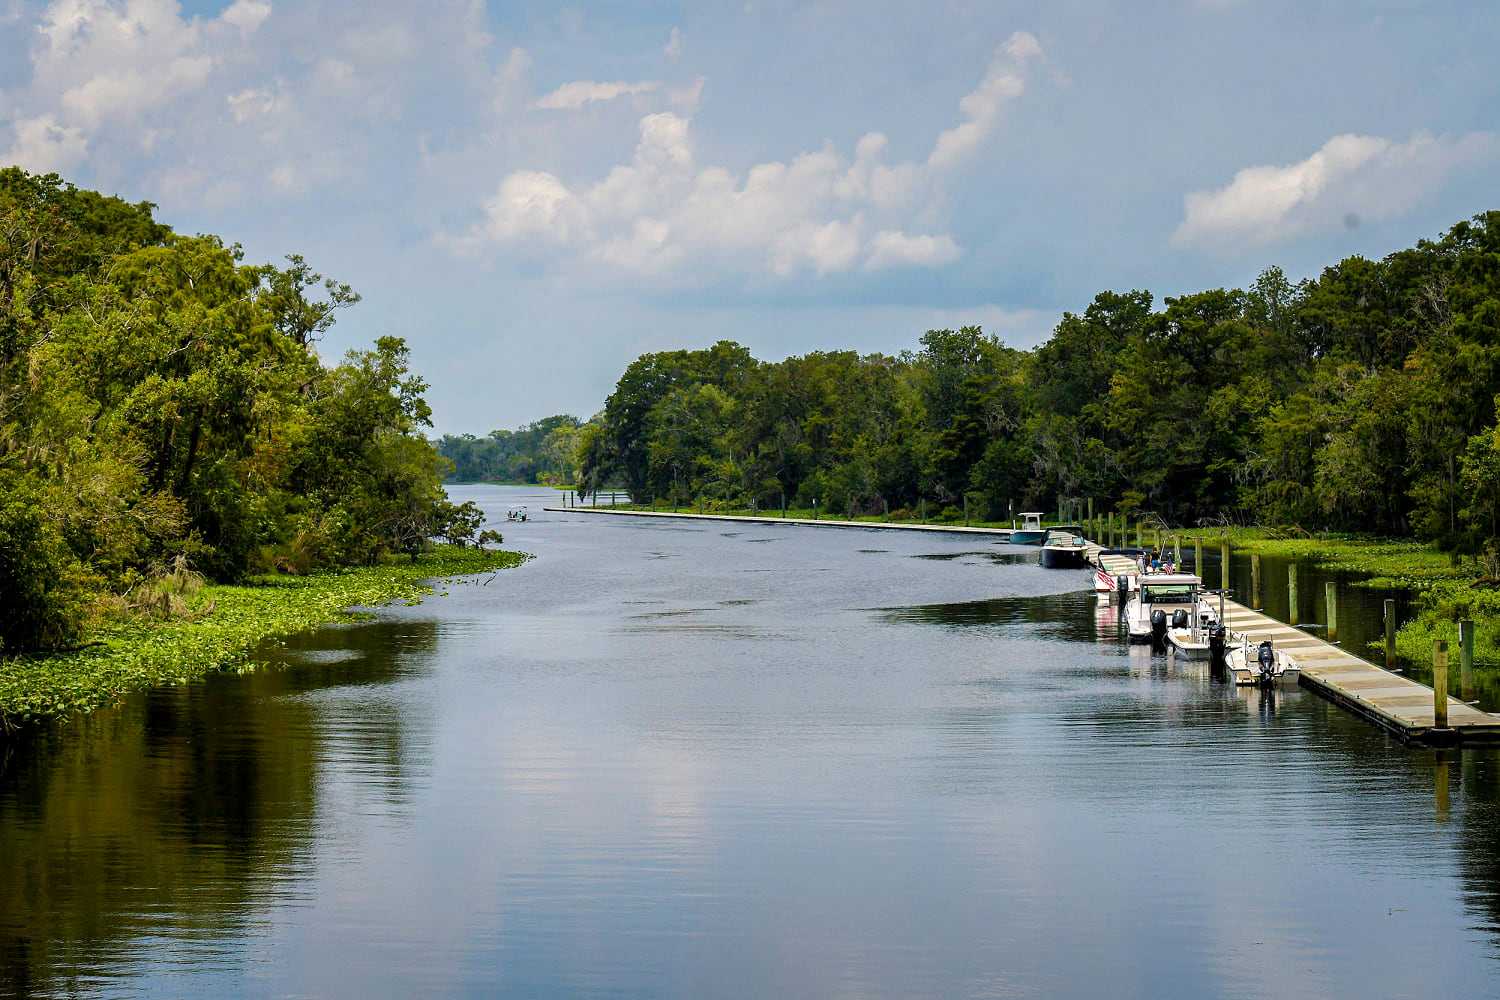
{"x": 1063, "y": 548}
{"x": 1159, "y": 596}
{"x": 1031, "y": 531}
{"x": 517, "y": 512}
{"x": 1260, "y": 665}
{"x": 1188, "y": 636}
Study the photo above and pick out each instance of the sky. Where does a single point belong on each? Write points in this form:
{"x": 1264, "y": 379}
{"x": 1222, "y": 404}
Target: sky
{"x": 534, "y": 194}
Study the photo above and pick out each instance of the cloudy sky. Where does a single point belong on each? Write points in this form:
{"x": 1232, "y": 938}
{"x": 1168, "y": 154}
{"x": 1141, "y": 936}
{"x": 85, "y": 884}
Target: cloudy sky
{"x": 534, "y": 194}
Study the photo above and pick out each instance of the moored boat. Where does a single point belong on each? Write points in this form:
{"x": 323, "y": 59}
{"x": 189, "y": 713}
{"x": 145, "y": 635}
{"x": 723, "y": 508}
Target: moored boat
{"x": 1063, "y": 548}
{"x": 1261, "y": 665}
{"x": 1158, "y": 598}
{"x": 1031, "y": 531}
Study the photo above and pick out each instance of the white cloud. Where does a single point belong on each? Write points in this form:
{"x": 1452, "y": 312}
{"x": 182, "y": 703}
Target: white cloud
{"x": 673, "y": 47}
{"x": 247, "y": 15}
{"x": 818, "y": 211}
{"x": 572, "y": 96}
{"x": 42, "y": 146}
{"x": 893, "y": 249}
{"x": 1005, "y": 81}
{"x": 1352, "y": 178}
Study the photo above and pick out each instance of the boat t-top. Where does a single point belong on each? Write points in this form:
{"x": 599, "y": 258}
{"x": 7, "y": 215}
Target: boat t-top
{"x": 1031, "y": 531}
{"x": 1164, "y": 599}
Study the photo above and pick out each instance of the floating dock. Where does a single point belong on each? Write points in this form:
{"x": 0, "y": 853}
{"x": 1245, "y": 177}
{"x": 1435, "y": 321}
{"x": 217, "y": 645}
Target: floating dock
{"x": 1395, "y": 703}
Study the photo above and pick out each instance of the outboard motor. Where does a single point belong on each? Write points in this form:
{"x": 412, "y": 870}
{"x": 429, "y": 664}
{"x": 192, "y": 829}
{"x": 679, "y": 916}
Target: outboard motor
{"x": 1267, "y": 662}
{"x": 1218, "y": 644}
{"x": 1179, "y": 618}
{"x": 1158, "y": 628}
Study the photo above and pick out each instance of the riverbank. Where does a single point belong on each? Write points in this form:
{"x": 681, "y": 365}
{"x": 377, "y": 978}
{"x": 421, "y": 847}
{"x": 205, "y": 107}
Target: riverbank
{"x": 224, "y": 625}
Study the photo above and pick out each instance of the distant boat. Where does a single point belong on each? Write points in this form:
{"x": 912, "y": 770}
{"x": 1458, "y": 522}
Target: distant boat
{"x": 1031, "y": 531}
{"x": 1063, "y": 548}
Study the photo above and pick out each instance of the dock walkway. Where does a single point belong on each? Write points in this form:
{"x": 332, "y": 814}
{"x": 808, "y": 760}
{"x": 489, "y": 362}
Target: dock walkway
{"x": 1395, "y": 703}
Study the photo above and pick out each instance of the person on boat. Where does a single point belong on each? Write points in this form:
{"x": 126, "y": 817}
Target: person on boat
{"x": 1155, "y": 560}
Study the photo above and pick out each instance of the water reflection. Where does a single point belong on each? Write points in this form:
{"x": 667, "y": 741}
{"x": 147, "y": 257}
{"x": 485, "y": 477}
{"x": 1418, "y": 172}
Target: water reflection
{"x": 177, "y": 815}
{"x": 672, "y": 763}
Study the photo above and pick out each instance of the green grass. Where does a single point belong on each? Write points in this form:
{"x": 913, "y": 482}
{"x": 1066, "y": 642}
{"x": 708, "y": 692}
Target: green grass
{"x": 139, "y": 653}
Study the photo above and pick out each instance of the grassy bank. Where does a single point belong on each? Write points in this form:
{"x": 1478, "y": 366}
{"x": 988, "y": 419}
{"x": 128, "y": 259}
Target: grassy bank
{"x": 223, "y": 626}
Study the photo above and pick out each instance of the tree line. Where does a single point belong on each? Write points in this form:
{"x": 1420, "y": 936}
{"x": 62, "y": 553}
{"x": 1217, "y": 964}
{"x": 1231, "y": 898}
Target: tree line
{"x": 163, "y": 403}
{"x": 1363, "y": 399}
{"x": 544, "y": 451}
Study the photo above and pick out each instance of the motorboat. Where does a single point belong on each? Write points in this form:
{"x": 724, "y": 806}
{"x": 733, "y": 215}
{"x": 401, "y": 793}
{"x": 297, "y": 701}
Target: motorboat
{"x": 1188, "y": 635}
{"x": 1031, "y": 531}
{"x": 1063, "y": 548}
{"x": 1158, "y": 598}
{"x": 517, "y": 512}
{"x": 1260, "y": 665}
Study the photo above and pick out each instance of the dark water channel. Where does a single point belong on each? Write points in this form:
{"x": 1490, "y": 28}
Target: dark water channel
{"x": 697, "y": 760}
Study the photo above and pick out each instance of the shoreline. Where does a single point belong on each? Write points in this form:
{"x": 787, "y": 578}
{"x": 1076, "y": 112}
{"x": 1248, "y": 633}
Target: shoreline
{"x": 136, "y": 655}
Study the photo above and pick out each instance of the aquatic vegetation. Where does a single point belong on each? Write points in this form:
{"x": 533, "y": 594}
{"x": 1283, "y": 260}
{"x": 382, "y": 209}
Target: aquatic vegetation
{"x": 223, "y": 626}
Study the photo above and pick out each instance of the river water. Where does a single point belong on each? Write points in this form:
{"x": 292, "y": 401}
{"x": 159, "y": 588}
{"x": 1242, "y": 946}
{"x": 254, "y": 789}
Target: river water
{"x": 688, "y": 759}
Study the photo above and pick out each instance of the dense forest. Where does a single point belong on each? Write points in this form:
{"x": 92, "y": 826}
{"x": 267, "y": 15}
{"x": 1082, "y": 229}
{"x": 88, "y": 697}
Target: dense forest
{"x": 541, "y": 452}
{"x": 1363, "y": 399}
{"x": 164, "y": 415}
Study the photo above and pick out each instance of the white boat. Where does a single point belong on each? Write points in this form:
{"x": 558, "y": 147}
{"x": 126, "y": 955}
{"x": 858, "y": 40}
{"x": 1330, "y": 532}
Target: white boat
{"x": 1115, "y": 566}
{"x": 1262, "y": 665}
{"x": 1158, "y": 599}
{"x": 517, "y": 512}
{"x": 1189, "y": 642}
{"x": 1031, "y": 531}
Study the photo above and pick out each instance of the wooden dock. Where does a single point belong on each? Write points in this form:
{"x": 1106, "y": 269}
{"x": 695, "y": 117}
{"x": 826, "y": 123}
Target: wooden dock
{"x": 1394, "y": 702}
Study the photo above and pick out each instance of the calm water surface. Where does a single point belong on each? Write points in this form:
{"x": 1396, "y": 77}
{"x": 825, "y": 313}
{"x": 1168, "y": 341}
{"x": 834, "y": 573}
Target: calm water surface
{"x": 676, "y": 759}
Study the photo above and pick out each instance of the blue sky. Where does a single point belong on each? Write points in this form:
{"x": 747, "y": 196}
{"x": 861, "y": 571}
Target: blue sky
{"x": 534, "y": 194}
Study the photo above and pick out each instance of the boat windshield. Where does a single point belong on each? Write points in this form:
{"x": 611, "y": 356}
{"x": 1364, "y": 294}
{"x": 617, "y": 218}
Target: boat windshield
{"x": 1180, "y": 593}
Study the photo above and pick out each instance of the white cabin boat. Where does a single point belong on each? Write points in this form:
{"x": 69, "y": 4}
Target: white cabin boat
{"x": 1168, "y": 593}
{"x": 1031, "y": 531}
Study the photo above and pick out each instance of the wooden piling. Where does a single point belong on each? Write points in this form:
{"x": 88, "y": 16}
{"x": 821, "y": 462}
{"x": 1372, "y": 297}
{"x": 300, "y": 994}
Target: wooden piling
{"x": 1440, "y": 683}
{"x": 1224, "y": 564}
{"x": 1255, "y": 581}
{"x": 1390, "y": 632}
{"x": 1091, "y": 508}
{"x": 1291, "y": 594}
{"x": 783, "y": 505}
{"x": 1111, "y": 531}
{"x": 1331, "y": 599}
{"x": 1198, "y": 557}
{"x": 1466, "y": 660}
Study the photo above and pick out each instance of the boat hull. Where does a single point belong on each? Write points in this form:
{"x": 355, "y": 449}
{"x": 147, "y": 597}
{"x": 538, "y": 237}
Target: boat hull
{"x": 1184, "y": 646}
{"x": 1063, "y": 557}
{"x": 1023, "y": 537}
{"x": 1247, "y": 674}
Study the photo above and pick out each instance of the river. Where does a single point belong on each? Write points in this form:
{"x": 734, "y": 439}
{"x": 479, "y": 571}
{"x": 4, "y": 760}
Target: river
{"x": 690, "y": 759}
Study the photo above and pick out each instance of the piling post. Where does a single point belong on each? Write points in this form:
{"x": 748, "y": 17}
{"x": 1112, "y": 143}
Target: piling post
{"x": 1255, "y": 581}
{"x": 1390, "y": 632}
{"x": 1198, "y": 557}
{"x": 1111, "y": 530}
{"x": 966, "y": 510}
{"x": 1466, "y": 660}
{"x": 1091, "y": 510}
{"x": 1291, "y": 593}
{"x": 783, "y": 505}
{"x": 1331, "y": 599}
{"x": 1224, "y": 563}
{"x": 1440, "y": 683}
